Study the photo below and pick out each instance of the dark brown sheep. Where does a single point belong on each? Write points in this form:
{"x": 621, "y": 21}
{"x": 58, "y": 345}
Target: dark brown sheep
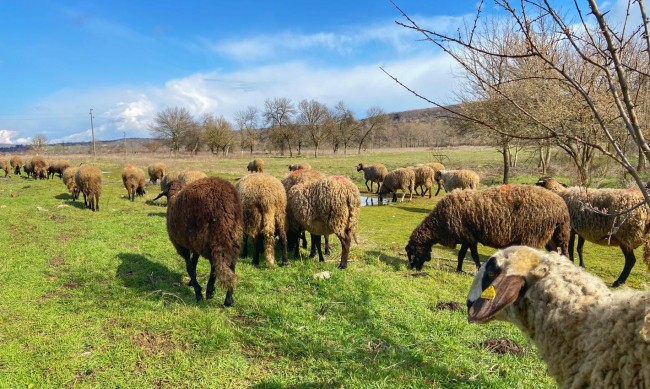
{"x": 133, "y": 180}
{"x": 16, "y": 163}
{"x": 204, "y": 218}
{"x": 496, "y": 217}
{"x": 27, "y": 167}
{"x": 39, "y": 166}
{"x": 89, "y": 181}
{"x": 57, "y": 167}
{"x": 256, "y": 166}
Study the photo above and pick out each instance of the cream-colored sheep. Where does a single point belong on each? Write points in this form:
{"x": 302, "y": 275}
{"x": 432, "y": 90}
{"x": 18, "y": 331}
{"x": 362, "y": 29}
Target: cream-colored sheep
{"x": 68, "y": 180}
{"x": 399, "y": 179}
{"x": 424, "y": 178}
{"x": 373, "y": 173}
{"x": 457, "y": 179}
{"x": 588, "y": 335}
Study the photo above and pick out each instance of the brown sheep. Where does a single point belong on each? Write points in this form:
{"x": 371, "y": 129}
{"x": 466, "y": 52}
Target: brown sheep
{"x": 204, "y": 218}
{"x": 265, "y": 207}
{"x": 402, "y": 178}
{"x": 373, "y": 173}
{"x": 16, "y": 163}
{"x": 424, "y": 178}
{"x": 255, "y": 166}
{"x": 170, "y": 176}
{"x": 298, "y": 166}
{"x": 436, "y": 166}
{"x": 57, "y": 167}
{"x": 89, "y": 181}
{"x": 39, "y": 166}
{"x": 4, "y": 166}
{"x": 27, "y": 167}
{"x": 496, "y": 217}
{"x": 133, "y": 180}
{"x": 188, "y": 176}
{"x": 156, "y": 171}
{"x": 456, "y": 179}
{"x": 327, "y": 206}
{"x": 68, "y": 180}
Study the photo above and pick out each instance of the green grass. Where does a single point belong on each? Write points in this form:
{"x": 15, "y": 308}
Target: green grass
{"x": 100, "y": 299}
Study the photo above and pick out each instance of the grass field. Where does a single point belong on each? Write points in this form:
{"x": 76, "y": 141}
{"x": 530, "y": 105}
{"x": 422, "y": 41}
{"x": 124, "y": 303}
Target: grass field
{"x": 100, "y": 299}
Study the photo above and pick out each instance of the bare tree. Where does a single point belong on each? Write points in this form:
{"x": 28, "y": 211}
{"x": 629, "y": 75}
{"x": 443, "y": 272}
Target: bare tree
{"x": 376, "y": 120}
{"x": 315, "y": 119}
{"x": 218, "y": 134}
{"x": 278, "y": 113}
{"x": 247, "y": 123}
{"x": 193, "y": 138}
{"x": 347, "y": 127}
{"x": 39, "y": 143}
{"x": 171, "y": 125}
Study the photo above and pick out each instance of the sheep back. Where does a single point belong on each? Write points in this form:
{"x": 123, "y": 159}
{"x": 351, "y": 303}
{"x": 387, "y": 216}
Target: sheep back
{"x": 133, "y": 180}
{"x": 300, "y": 176}
{"x": 457, "y": 179}
{"x": 39, "y": 167}
{"x": 156, "y": 171}
{"x": 402, "y": 178}
{"x": 256, "y": 166}
{"x": 16, "y": 163}
{"x": 89, "y": 181}
{"x": 167, "y": 178}
{"x": 298, "y": 166}
{"x": 189, "y": 176}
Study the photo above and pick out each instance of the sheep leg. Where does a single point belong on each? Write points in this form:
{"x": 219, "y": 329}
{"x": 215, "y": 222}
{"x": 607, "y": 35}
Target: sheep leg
{"x": 229, "y": 300}
{"x": 259, "y": 243}
{"x": 430, "y": 190}
{"x": 474, "y": 251}
{"x": 283, "y": 242}
{"x": 378, "y": 186}
{"x": 369, "y": 187}
{"x": 96, "y": 202}
{"x": 345, "y": 249}
{"x": 581, "y": 243}
{"x": 244, "y": 250}
{"x": 315, "y": 242}
{"x": 461, "y": 256}
{"x": 303, "y": 236}
{"x": 190, "y": 266}
{"x": 327, "y": 245}
{"x": 438, "y": 191}
{"x": 629, "y": 264}
{"x": 293, "y": 241}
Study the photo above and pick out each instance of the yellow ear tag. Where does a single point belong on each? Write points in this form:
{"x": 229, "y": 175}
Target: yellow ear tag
{"x": 489, "y": 293}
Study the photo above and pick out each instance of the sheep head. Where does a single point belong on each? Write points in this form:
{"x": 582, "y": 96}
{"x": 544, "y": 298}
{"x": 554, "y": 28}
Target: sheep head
{"x": 417, "y": 255}
{"x": 359, "y": 167}
{"x": 500, "y": 282}
{"x": 171, "y": 190}
{"x": 551, "y": 184}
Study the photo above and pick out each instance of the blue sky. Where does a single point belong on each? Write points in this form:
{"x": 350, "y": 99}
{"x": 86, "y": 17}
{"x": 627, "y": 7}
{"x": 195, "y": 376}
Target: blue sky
{"x": 130, "y": 59}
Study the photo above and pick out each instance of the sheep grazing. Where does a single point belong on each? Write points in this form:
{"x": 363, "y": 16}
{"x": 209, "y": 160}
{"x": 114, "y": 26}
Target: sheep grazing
{"x": 298, "y": 166}
{"x": 133, "y": 180}
{"x": 628, "y": 232}
{"x": 168, "y": 178}
{"x": 89, "y": 181}
{"x": 39, "y": 166}
{"x": 264, "y": 202}
{"x": 424, "y": 178}
{"x": 156, "y": 171}
{"x": 456, "y": 179}
{"x": 16, "y": 163}
{"x": 57, "y": 167}
{"x": 402, "y": 178}
{"x": 496, "y": 217}
{"x": 373, "y": 173}
{"x": 327, "y": 206}
{"x": 204, "y": 218}
{"x": 68, "y": 180}
{"x": 27, "y": 167}
{"x": 255, "y": 166}
{"x": 589, "y": 336}
{"x": 4, "y": 165}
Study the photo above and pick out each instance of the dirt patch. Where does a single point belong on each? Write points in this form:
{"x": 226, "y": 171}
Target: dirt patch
{"x": 56, "y": 261}
{"x": 419, "y": 274}
{"x": 152, "y": 344}
{"x": 72, "y": 284}
{"x": 449, "y": 306}
{"x": 84, "y": 376}
{"x": 56, "y": 218}
{"x": 503, "y": 346}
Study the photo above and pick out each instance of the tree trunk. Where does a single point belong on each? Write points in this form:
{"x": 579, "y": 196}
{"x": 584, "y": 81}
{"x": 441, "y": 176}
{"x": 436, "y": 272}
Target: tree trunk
{"x": 316, "y": 150}
{"x": 506, "y": 163}
{"x": 641, "y": 166}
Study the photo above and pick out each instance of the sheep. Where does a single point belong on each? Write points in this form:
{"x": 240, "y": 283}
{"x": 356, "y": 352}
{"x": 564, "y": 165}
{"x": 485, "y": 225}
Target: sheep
{"x": 27, "y": 167}
{"x": 424, "y": 178}
{"x": 189, "y": 176}
{"x": 303, "y": 176}
{"x": 456, "y": 179}
{"x": 39, "y": 166}
{"x": 57, "y": 167}
{"x": 168, "y": 178}
{"x": 402, "y": 178}
{"x": 255, "y": 166}
{"x": 436, "y": 166}
{"x": 133, "y": 180}
{"x": 264, "y": 202}
{"x": 156, "y": 171}
{"x": 16, "y": 163}
{"x": 4, "y": 166}
{"x": 298, "y": 166}
{"x": 589, "y": 336}
{"x": 373, "y": 173}
{"x": 628, "y": 232}
{"x": 89, "y": 181}
{"x": 496, "y": 217}
{"x": 68, "y": 180}
{"x": 327, "y": 206}
{"x": 204, "y": 218}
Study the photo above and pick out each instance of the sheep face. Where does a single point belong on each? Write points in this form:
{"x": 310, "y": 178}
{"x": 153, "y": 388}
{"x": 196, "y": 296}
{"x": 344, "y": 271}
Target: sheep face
{"x": 499, "y": 283}
{"x": 359, "y": 167}
{"x": 417, "y": 256}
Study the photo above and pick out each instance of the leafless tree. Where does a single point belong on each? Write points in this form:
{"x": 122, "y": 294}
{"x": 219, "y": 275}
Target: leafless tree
{"x": 247, "y": 123}
{"x": 347, "y": 126}
{"x": 314, "y": 117}
{"x": 279, "y": 113}
{"x": 375, "y": 121}
{"x": 171, "y": 125}
{"x": 39, "y": 143}
{"x": 217, "y": 134}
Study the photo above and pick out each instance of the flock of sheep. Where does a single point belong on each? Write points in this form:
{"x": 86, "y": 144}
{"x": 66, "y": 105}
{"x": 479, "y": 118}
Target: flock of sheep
{"x": 587, "y": 334}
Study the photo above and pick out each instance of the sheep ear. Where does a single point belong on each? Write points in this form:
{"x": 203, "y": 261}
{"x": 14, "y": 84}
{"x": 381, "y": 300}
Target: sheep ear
{"x": 502, "y": 292}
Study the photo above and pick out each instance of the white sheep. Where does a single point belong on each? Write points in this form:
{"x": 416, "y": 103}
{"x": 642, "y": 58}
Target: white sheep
{"x": 456, "y": 179}
{"x": 588, "y": 335}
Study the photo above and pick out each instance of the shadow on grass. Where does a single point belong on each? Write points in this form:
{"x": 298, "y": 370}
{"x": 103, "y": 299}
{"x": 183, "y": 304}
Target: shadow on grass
{"x": 159, "y": 214}
{"x": 416, "y": 210}
{"x": 396, "y": 262}
{"x": 139, "y": 273}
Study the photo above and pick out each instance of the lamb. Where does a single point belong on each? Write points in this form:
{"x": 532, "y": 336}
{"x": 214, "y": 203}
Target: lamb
{"x": 39, "y": 166}
{"x": 89, "y": 181}
{"x": 402, "y": 178}
{"x": 4, "y": 166}
{"x": 628, "y": 232}
{"x": 424, "y": 178}
{"x": 57, "y": 167}
{"x": 156, "y": 171}
{"x": 298, "y": 166}
{"x": 204, "y": 218}
{"x": 456, "y": 179}
{"x": 373, "y": 173}
{"x": 133, "y": 180}
{"x": 327, "y": 206}
{"x": 589, "y": 336}
{"x": 496, "y": 217}
{"x": 68, "y": 180}
{"x": 264, "y": 202}
{"x": 16, "y": 163}
{"x": 255, "y": 166}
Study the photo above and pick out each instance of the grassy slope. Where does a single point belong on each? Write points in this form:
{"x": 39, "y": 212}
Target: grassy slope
{"x": 99, "y": 299}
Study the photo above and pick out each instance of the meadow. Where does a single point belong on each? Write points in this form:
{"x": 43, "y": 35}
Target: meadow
{"x": 100, "y": 299}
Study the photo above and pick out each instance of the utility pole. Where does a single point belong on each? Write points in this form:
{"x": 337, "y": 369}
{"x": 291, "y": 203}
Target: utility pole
{"x": 124, "y": 132}
{"x": 92, "y": 131}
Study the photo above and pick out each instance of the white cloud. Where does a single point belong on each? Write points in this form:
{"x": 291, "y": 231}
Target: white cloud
{"x": 24, "y": 141}
{"x": 6, "y": 135}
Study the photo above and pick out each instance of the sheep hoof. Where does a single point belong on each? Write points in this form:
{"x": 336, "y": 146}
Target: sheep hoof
{"x": 617, "y": 283}
{"x": 229, "y": 302}
{"x": 342, "y": 266}
{"x": 199, "y": 297}
{"x": 284, "y": 263}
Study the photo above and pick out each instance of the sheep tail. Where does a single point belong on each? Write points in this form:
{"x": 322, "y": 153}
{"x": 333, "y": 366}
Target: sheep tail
{"x": 225, "y": 276}
{"x": 646, "y": 251}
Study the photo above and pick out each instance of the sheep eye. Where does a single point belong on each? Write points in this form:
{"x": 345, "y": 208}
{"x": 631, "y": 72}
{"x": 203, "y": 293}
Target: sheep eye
{"x": 491, "y": 273}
